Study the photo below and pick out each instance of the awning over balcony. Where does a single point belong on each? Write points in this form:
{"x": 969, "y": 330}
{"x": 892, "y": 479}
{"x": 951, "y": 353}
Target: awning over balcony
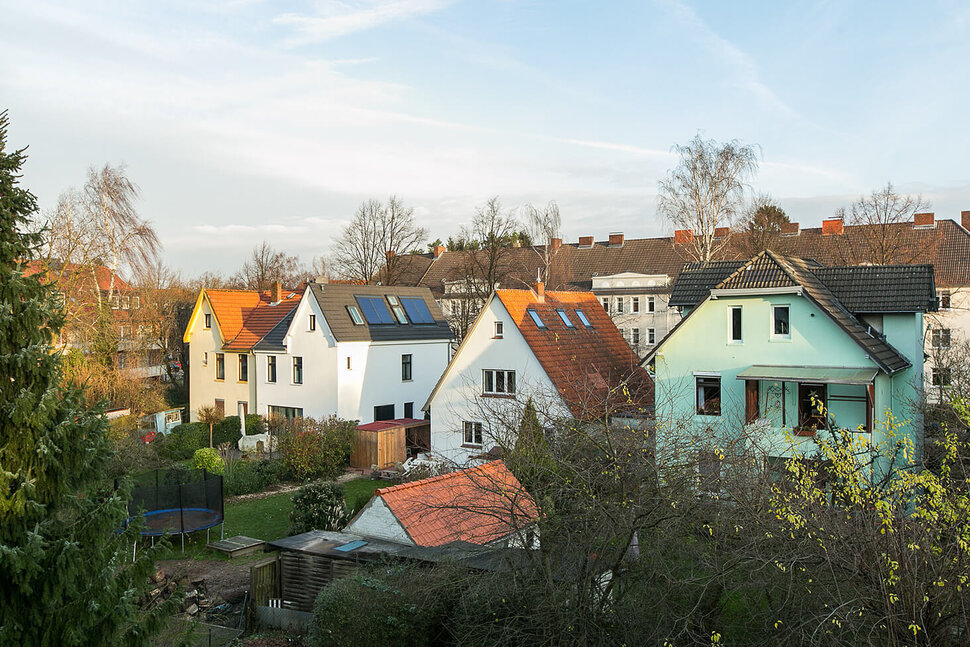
{"x": 818, "y": 374}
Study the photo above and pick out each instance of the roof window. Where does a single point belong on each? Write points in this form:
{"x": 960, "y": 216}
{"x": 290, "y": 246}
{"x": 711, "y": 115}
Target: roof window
{"x": 565, "y": 319}
{"x": 355, "y": 315}
{"x": 536, "y": 319}
{"x": 583, "y": 318}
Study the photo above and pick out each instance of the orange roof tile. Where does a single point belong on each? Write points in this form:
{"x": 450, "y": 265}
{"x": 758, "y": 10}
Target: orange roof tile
{"x": 477, "y": 505}
{"x": 245, "y": 316}
{"x": 584, "y": 364}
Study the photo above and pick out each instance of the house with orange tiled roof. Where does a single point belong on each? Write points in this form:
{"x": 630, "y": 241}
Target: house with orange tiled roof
{"x": 559, "y": 349}
{"x": 483, "y": 505}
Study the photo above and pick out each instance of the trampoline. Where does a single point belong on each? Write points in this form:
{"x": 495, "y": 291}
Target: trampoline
{"x": 177, "y": 501}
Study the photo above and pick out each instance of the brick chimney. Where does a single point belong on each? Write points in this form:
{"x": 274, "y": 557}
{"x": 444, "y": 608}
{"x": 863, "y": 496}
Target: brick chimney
{"x": 924, "y": 220}
{"x": 540, "y": 292}
{"x": 616, "y": 239}
{"x": 585, "y": 241}
{"x": 789, "y": 229}
{"x": 389, "y": 254}
{"x": 555, "y": 244}
{"x": 721, "y": 232}
{"x": 683, "y": 236}
{"x": 277, "y": 292}
{"x": 439, "y": 250}
{"x": 965, "y": 219}
{"x": 832, "y": 227}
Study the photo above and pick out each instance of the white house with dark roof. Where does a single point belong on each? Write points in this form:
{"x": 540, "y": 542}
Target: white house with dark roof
{"x": 360, "y": 352}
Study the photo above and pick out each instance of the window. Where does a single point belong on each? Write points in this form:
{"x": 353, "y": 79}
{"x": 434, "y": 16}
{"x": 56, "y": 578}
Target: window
{"x": 285, "y": 412}
{"x": 355, "y": 315}
{"x": 384, "y": 412}
{"x": 583, "y": 318}
{"x": 205, "y": 359}
{"x": 472, "y": 433}
{"x": 943, "y": 300}
{"x": 114, "y": 301}
{"x": 297, "y": 370}
{"x": 136, "y": 302}
{"x": 811, "y": 407}
{"x": 709, "y": 472}
{"x": 780, "y": 322}
{"x": 397, "y": 309}
{"x": 244, "y": 368}
{"x": 734, "y": 322}
{"x": 941, "y": 337}
{"x": 565, "y": 319}
{"x": 312, "y": 323}
{"x": 619, "y": 305}
{"x": 651, "y": 336}
{"x": 406, "y": 368}
{"x": 374, "y": 309}
{"x": 535, "y": 318}
{"x": 635, "y": 336}
{"x": 651, "y": 304}
{"x": 220, "y": 366}
{"x": 499, "y": 330}
{"x": 498, "y": 382}
{"x": 408, "y": 409}
{"x": 348, "y": 363}
{"x": 635, "y": 304}
{"x": 208, "y": 321}
{"x": 941, "y": 376}
{"x": 622, "y": 333}
{"x": 221, "y": 406}
{"x": 709, "y": 395}
{"x": 606, "y": 304}
{"x": 271, "y": 369}
{"x": 417, "y": 310}
{"x": 126, "y": 302}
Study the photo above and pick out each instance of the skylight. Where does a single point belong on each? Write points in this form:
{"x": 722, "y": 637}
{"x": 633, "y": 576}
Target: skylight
{"x": 355, "y": 315}
{"x": 417, "y": 310}
{"x": 536, "y": 319}
{"x": 583, "y": 318}
{"x": 374, "y": 309}
{"x": 565, "y": 319}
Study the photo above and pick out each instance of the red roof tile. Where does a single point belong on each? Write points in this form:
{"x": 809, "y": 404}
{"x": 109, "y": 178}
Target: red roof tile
{"x": 101, "y": 274}
{"x": 477, "y": 505}
{"x": 245, "y": 316}
{"x": 381, "y": 425}
{"x": 584, "y": 364}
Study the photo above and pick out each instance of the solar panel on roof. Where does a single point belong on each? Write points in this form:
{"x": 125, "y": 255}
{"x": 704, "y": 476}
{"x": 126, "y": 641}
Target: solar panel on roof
{"x": 417, "y": 310}
{"x": 375, "y": 310}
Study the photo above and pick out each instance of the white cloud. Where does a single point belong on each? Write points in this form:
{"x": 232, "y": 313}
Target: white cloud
{"x": 336, "y": 19}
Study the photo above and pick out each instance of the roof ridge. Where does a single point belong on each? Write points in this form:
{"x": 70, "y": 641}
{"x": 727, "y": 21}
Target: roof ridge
{"x": 438, "y": 478}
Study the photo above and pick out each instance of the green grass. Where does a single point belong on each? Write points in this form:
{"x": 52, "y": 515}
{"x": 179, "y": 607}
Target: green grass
{"x": 267, "y": 519}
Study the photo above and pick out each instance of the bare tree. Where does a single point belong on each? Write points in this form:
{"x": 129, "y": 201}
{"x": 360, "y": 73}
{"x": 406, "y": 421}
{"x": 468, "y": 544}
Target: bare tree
{"x": 885, "y": 215}
{"x": 706, "y": 190}
{"x": 370, "y": 247}
{"x": 266, "y": 266}
{"x": 761, "y": 228}
{"x": 542, "y": 226}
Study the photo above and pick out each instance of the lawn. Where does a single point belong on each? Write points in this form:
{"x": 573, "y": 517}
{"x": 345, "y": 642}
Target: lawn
{"x": 267, "y": 518}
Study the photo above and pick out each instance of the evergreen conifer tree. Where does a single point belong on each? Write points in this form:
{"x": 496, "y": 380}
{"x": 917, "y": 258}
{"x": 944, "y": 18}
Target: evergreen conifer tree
{"x": 66, "y": 571}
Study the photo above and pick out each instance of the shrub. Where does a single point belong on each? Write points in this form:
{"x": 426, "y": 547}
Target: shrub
{"x": 184, "y": 440}
{"x": 177, "y": 474}
{"x": 313, "y": 448}
{"x": 208, "y": 459}
{"x": 386, "y": 607}
{"x": 226, "y": 431}
{"x": 318, "y": 506}
{"x": 248, "y": 476}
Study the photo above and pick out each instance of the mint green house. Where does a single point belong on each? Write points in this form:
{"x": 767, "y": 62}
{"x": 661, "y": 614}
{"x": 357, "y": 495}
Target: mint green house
{"x": 763, "y": 342}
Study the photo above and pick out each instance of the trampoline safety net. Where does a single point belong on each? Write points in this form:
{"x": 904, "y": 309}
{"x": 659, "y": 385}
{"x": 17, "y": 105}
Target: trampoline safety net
{"x": 177, "y": 501}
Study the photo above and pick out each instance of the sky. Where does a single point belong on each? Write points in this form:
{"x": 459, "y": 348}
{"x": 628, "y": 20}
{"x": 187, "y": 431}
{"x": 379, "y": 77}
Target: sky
{"x": 248, "y": 120}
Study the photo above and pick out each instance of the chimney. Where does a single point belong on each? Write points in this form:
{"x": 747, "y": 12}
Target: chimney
{"x": 389, "y": 254}
{"x": 277, "y": 292}
{"x": 683, "y": 236}
{"x": 965, "y": 219}
{"x": 926, "y": 220}
{"x": 832, "y": 227}
{"x": 721, "y": 232}
{"x": 789, "y": 229}
{"x": 555, "y": 244}
{"x": 585, "y": 241}
{"x": 439, "y": 250}
{"x": 616, "y": 239}
{"x": 540, "y": 292}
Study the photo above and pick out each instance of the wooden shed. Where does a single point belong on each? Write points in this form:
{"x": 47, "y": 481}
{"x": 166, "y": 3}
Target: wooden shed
{"x": 386, "y": 442}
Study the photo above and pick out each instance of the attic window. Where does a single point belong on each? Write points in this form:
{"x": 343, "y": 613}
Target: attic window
{"x": 355, "y": 315}
{"x": 397, "y": 309}
{"x": 583, "y": 318}
{"x": 565, "y": 319}
{"x": 536, "y": 319}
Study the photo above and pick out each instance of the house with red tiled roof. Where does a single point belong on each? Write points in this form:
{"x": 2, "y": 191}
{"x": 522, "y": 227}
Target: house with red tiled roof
{"x": 483, "y": 505}
{"x": 558, "y": 349}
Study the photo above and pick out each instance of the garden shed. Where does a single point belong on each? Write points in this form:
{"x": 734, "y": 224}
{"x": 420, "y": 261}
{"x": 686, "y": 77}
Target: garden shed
{"x": 386, "y": 442}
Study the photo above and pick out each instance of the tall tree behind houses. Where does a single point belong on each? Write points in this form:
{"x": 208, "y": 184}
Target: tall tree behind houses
{"x": 370, "y": 246}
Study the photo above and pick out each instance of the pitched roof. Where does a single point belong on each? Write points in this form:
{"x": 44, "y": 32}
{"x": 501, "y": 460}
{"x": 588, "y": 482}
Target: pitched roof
{"x": 101, "y": 274}
{"x": 478, "y": 505}
{"x": 584, "y": 364}
{"x": 246, "y": 316}
{"x": 881, "y": 288}
{"x": 334, "y": 299}
{"x": 695, "y": 281}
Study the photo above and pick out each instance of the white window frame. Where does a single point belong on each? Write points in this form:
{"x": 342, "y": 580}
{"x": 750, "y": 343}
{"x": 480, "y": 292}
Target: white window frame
{"x": 606, "y": 304}
{"x": 635, "y": 336}
{"x": 651, "y": 336}
{"x": 940, "y": 337}
{"x": 634, "y": 304}
{"x": 499, "y": 330}
{"x": 409, "y": 364}
{"x": 778, "y": 336}
{"x": 730, "y": 324}
{"x": 619, "y": 305}
{"x": 205, "y": 358}
{"x": 470, "y": 432}
{"x": 494, "y": 372}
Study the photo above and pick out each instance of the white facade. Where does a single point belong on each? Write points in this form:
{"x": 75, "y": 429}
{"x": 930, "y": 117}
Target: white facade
{"x": 459, "y": 399}
{"x": 637, "y": 303}
{"x": 376, "y": 520}
{"x": 946, "y": 329}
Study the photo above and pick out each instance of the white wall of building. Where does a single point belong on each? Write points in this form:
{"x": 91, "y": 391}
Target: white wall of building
{"x": 955, "y": 319}
{"x": 624, "y": 287}
{"x": 459, "y": 397}
{"x": 376, "y": 520}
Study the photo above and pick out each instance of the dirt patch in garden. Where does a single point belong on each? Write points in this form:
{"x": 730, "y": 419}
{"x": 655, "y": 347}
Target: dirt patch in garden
{"x": 282, "y": 488}
{"x": 224, "y": 580}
